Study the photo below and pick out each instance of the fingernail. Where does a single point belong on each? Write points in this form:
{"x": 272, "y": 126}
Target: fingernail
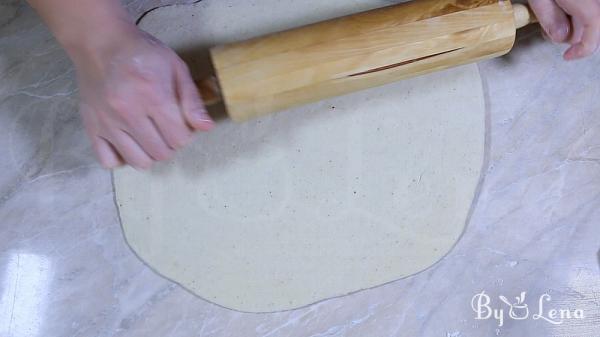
{"x": 201, "y": 116}
{"x": 560, "y": 33}
{"x": 570, "y": 55}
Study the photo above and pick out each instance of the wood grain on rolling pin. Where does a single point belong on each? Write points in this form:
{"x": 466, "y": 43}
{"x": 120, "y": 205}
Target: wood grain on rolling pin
{"x": 360, "y": 51}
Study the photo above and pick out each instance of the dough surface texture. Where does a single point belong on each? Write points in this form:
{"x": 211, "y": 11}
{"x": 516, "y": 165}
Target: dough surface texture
{"x": 314, "y": 202}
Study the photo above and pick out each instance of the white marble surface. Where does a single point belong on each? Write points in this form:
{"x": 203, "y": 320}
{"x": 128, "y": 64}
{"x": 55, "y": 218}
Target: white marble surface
{"x": 66, "y": 271}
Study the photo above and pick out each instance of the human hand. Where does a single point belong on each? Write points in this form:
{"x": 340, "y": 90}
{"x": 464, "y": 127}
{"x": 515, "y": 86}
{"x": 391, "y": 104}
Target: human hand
{"x": 576, "y": 22}
{"x": 138, "y": 101}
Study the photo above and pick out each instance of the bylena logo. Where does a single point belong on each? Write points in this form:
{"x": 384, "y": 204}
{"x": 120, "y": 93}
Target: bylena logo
{"x": 518, "y": 310}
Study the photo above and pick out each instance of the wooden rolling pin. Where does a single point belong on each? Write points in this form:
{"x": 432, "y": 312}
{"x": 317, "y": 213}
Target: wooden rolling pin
{"x": 360, "y": 51}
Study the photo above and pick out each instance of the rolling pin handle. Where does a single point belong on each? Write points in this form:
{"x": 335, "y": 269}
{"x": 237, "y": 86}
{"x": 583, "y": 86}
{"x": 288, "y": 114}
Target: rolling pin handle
{"x": 209, "y": 90}
{"x": 523, "y": 15}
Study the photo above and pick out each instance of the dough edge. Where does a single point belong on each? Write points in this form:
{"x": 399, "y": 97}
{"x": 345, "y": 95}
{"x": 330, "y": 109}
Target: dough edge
{"x": 249, "y": 309}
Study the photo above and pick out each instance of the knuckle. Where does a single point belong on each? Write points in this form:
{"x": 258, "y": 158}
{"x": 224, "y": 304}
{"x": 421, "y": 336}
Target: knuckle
{"x": 139, "y": 71}
{"x": 121, "y": 109}
{"x": 127, "y": 117}
{"x": 148, "y": 82}
{"x": 116, "y": 101}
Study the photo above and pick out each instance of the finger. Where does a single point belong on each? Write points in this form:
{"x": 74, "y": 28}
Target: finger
{"x": 577, "y": 33}
{"x": 106, "y": 154}
{"x": 166, "y": 114}
{"x": 130, "y": 150}
{"x": 553, "y": 19}
{"x": 586, "y": 13}
{"x": 588, "y": 44}
{"x": 147, "y": 135}
{"x": 168, "y": 118}
{"x": 190, "y": 101}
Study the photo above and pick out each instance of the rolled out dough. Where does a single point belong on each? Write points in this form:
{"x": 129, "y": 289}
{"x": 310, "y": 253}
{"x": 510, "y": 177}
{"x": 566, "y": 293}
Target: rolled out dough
{"x": 311, "y": 203}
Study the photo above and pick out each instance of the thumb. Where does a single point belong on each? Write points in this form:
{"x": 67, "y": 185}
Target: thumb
{"x": 553, "y": 19}
{"x": 190, "y": 101}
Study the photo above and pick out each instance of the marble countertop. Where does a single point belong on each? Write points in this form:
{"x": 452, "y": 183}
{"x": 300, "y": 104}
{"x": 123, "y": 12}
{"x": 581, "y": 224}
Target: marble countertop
{"x": 65, "y": 269}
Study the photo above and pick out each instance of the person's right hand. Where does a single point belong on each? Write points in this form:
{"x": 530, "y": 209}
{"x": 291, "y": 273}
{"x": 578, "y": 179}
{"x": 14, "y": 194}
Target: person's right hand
{"x": 138, "y": 101}
{"x": 576, "y": 22}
